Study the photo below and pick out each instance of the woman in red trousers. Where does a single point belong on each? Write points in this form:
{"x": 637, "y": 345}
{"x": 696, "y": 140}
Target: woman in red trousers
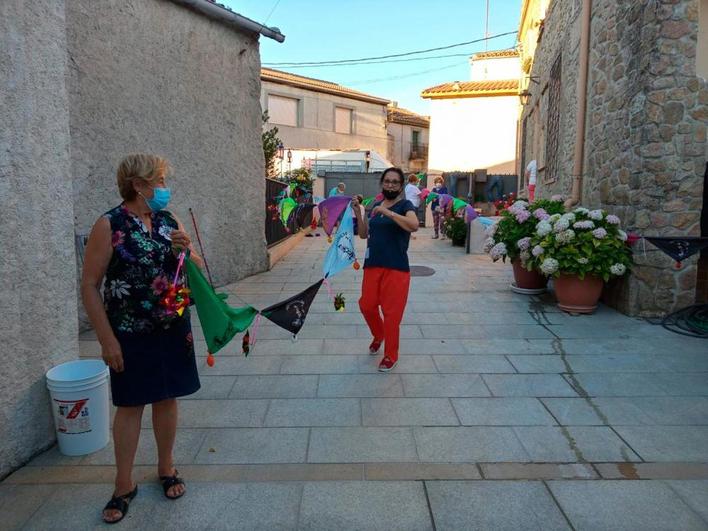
{"x": 386, "y": 271}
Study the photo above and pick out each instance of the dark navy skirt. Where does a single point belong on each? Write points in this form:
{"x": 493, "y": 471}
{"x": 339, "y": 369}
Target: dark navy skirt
{"x": 157, "y": 366}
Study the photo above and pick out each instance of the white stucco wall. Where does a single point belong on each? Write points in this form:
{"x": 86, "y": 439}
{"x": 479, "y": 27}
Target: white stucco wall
{"x": 38, "y": 324}
{"x": 154, "y": 76}
{"x": 494, "y": 68}
{"x": 473, "y": 133}
{"x": 316, "y": 121}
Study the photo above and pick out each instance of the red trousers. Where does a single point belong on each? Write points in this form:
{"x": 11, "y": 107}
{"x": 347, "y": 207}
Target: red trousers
{"x": 386, "y": 289}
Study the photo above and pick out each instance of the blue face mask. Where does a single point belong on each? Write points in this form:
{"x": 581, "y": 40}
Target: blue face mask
{"x": 160, "y": 199}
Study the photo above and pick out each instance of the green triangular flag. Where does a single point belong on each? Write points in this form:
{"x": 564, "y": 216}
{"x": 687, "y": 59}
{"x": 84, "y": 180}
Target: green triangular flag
{"x": 220, "y": 322}
{"x": 432, "y": 196}
{"x": 458, "y": 204}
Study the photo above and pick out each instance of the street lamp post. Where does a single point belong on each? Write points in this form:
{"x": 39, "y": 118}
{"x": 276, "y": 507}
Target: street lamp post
{"x": 281, "y": 155}
{"x": 290, "y": 160}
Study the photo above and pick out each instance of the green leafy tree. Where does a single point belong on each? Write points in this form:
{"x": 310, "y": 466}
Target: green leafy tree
{"x": 270, "y": 147}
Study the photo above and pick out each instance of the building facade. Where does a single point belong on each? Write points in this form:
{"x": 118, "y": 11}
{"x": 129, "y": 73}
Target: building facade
{"x": 89, "y": 82}
{"x": 630, "y": 135}
{"x": 473, "y": 123}
{"x": 408, "y": 137}
{"x": 312, "y": 114}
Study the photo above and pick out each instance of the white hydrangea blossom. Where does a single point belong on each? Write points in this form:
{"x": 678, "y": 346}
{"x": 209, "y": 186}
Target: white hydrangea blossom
{"x": 524, "y": 255}
{"x": 488, "y": 244}
{"x": 518, "y": 205}
{"x": 566, "y": 236}
{"x": 524, "y": 243}
{"x": 543, "y": 228}
{"x": 554, "y": 218}
{"x": 569, "y": 216}
{"x": 561, "y": 225}
{"x": 612, "y": 219}
{"x": 618, "y": 269}
{"x": 581, "y": 210}
{"x": 583, "y": 260}
{"x": 595, "y": 214}
{"x": 537, "y": 250}
{"x": 585, "y": 224}
{"x": 599, "y": 233}
{"x": 622, "y": 235}
{"x": 498, "y": 251}
{"x": 549, "y": 266}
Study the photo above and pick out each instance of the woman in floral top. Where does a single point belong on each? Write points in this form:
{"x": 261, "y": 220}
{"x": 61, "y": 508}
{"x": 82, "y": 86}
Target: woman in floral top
{"x": 149, "y": 348}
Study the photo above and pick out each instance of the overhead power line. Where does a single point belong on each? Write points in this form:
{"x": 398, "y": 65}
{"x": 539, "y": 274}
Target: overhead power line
{"x": 343, "y": 61}
{"x": 382, "y": 62}
{"x": 404, "y": 76}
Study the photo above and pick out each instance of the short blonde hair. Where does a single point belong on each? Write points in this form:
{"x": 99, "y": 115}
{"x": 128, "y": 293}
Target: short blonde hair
{"x": 142, "y": 166}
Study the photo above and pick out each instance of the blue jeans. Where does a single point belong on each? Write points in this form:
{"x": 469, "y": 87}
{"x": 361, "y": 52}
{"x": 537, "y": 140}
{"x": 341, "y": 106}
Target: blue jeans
{"x": 494, "y": 186}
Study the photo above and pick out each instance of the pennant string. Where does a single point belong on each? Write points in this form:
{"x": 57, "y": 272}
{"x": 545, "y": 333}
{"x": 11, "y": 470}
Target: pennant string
{"x": 256, "y": 324}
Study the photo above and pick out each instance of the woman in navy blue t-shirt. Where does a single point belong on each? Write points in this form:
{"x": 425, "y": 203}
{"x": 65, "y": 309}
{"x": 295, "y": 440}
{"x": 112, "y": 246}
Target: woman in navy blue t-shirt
{"x": 386, "y": 271}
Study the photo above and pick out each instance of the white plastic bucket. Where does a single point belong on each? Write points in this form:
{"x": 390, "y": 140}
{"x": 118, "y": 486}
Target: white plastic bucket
{"x": 79, "y": 396}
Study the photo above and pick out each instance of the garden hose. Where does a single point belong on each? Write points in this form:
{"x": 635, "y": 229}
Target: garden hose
{"x": 690, "y": 321}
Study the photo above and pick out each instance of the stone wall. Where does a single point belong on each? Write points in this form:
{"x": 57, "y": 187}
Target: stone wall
{"x": 154, "y": 76}
{"x": 561, "y": 37}
{"x": 38, "y": 304}
{"x": 645, "y": 146}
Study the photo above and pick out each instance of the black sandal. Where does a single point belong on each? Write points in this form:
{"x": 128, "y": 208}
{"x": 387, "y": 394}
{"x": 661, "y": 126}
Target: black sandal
{"x": 170, "y": 481}
{"x": 119, "y": 503}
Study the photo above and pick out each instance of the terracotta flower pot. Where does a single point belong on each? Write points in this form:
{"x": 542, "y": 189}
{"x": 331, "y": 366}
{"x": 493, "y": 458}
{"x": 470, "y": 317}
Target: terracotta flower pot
{"x": 578, "y": 296}
{"x": 526, "y": 279}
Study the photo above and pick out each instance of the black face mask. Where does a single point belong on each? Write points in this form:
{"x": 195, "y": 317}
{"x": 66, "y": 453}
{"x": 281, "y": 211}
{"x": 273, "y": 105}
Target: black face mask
{"x": 390, "y": 194}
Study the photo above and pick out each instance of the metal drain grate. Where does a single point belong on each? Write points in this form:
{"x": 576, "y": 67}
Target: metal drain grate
{"x": 422, "y": 271}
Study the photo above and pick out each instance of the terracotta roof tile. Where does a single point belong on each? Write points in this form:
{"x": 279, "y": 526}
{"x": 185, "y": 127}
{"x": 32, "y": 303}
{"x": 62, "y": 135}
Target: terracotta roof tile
{"x": 317, "y": 85}
{"x": 496, "y": 54}
{"x": 471, "y": 89}
{"x": 400, "y": 115}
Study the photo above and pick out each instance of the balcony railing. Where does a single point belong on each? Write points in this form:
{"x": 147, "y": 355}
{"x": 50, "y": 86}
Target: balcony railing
{"x": 418, "y": 151}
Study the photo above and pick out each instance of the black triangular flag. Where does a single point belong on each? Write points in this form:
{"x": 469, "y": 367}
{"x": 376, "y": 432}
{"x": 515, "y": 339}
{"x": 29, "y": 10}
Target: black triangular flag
{"x": 303, "y": 215}
{"x": 291, "y": 313}
{"x": 679, "y": 248}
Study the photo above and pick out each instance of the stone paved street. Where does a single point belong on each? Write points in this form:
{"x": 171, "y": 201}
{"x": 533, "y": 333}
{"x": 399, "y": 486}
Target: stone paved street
{"x": 503, "y": 413}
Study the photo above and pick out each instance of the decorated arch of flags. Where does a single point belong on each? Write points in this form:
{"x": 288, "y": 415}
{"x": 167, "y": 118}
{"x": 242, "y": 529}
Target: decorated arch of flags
{"x": 221, "y": 322}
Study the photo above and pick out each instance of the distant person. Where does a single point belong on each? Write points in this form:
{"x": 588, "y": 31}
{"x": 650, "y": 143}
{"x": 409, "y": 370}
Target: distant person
{"x": 362, "y": 211}
{"x": 384, "y": 289}
{"x": 494, "y": 188}
{"x": 531, "y": 172}
{"x": 337, "y": 190}
{"x": 412, "y": 190}
{"x": 438, "y": 188}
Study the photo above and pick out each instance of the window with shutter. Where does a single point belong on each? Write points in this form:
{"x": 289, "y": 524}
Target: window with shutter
{"x": 282, "y": 110}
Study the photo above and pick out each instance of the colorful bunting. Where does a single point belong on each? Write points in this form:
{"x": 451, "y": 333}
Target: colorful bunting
{"x": 220, "y": 322}
{"x": 331, "y": 210}
{"x": 291, "y": 313}
{"x": 285, "y": 207}
{"x": 445, "y": 200}
{"x": 457, "y": 204}
{"x": 341, "y": 253}
{"x": 678, "y": 248}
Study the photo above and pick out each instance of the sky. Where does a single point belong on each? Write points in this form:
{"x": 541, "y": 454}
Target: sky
{"x": 321, "y": 30}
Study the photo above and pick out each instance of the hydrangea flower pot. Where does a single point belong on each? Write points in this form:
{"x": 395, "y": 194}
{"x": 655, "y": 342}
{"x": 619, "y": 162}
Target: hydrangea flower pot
{"x": 578, "y": 296}
{"x": 528, "y": 280}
